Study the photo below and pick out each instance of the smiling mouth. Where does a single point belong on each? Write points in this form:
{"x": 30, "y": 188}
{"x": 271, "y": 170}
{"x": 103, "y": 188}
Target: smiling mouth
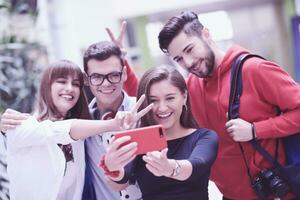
{"x": 164, "y": 116}
{"x": 106, "y": 91}
{"x": 196, "y": 67}
{"x": 67, "y": 97}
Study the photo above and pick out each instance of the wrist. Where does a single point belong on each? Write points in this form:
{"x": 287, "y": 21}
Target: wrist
{"x": 176, "y": 169}
{"x": 107, "y": 172}
{"x": 116, "y": 124}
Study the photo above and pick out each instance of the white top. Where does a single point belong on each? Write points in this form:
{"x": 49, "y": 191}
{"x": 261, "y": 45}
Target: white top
{"x": 67, "y": 189}
{"x": 36, "y": 164}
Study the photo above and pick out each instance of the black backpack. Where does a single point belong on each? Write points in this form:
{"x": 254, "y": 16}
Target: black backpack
{"x": 289, "y": 173}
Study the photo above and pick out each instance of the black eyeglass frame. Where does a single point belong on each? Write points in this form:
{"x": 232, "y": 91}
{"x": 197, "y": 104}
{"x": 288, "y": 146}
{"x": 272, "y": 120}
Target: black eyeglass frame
{"x": 107, "y": 77}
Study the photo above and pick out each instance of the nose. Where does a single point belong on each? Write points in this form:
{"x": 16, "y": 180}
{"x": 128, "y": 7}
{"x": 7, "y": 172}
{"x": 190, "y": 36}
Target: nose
{"x": 162, "y": 106}
{"x": 187, "y": 62}
{"x": 69, "y": 86}
{"x": 105, "y": 82}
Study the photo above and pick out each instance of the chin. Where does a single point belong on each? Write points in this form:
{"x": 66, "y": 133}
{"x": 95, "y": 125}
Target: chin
{"x": 165, "y": 126}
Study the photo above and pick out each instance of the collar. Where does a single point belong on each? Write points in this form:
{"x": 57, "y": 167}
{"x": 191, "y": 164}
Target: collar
{"x": 96, "y": 114}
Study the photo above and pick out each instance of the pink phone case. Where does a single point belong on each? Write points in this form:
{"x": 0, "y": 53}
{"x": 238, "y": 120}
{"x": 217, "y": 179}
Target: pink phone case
{"x": 151, "y": 138}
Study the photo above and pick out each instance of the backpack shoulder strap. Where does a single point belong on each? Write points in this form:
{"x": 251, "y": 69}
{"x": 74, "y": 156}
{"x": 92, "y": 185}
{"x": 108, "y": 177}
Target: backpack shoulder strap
{"x": 236, "y": 90}
{"x": 236, "y": 84}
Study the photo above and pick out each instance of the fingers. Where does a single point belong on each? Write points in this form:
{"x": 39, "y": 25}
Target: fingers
{"x": 11, "y": 111}
{"x": 144, "y": 111}
{"x": 130, "y": 149}
{"x": 164, "y": 153}
{"x": 119, "y": 153}
{"x": 118, "y": 40}
{"x": 154, "y": 158}
{"x": 110, "y": 34}
{"x": 122, "y": 31}
{"x": 115, "y": 144}
{"x": 124, "y": 161}
{"x": 15, "y": 117}
{"x": 12, "y": 118}
{"x": 153, "y": 170}
{"x": 138, "y": 104}
{"x": 229, "y": 123}
{"x": 4, "y": 128}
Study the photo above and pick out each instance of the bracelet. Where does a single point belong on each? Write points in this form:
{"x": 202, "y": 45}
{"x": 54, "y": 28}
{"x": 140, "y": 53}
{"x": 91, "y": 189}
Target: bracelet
{"x": 107, "y": 172}
{"x": 176, "y": 170}
{"x": 253, "y": 131}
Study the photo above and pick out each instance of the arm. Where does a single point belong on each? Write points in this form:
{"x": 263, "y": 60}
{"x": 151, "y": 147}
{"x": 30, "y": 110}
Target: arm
{"x": 159, "y": 165}
{"x": 277, "y": 88}
{"x": 115, "y": 186}
{"x": 11, "y": 118}
{"x": 32, "y": 132}
{"x": 198, "y": 163}
{"x": 204, "y": 154}
{"x": 131, "y": 84}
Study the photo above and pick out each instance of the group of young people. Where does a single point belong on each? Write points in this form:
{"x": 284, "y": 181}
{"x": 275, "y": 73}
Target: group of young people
{"x": 48, "y": 157}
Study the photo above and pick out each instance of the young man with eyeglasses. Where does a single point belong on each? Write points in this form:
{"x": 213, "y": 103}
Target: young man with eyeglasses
{"x": 106, "y": 73}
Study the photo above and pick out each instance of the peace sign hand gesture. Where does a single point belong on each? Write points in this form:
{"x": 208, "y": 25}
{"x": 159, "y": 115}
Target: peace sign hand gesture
{"x": 129, "y": 119}
{"x": 119, "y": 40}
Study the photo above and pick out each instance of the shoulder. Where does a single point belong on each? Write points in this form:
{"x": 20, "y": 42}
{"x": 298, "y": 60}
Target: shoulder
{"x": 258, "y": 65}
{"x": 257, "y": 70}
{"x": 205, "y": 133}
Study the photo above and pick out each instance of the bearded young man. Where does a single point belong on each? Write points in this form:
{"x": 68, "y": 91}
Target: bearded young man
{"x": 266, "y": 86}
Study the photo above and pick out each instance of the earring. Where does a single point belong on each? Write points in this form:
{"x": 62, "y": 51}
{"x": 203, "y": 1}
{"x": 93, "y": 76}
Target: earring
{"x": 184, "y": 107}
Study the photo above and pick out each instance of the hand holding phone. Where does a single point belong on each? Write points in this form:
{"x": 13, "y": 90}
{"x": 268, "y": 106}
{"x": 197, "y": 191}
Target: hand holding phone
{"x": 151, "y": 138}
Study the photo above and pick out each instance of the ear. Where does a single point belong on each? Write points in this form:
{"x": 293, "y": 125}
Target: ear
{"x": 206, "y": 35}
{"x": 124, "y": 75}
{"x": 85, "y": 79}
{"x": 185, "y": 96}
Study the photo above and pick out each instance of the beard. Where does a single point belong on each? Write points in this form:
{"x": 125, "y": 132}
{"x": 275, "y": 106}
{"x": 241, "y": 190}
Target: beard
{"x": 209, "y": 62}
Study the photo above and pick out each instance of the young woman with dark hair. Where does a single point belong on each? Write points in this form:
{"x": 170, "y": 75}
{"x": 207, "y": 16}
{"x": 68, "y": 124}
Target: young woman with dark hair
{"x": 181, "y": 171}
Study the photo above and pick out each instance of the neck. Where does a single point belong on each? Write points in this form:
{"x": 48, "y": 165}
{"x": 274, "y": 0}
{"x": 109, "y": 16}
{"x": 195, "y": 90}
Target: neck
{"x": 219, "y": 56}
{"x": 177, "y": 131}
{"x": 113, "y": 106}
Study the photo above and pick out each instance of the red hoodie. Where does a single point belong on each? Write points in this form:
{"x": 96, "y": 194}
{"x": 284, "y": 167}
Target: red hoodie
{"x": 265, "y": 86}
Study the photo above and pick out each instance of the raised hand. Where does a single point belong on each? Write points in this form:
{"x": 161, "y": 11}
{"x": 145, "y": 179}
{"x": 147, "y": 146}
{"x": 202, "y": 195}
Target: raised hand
{"x": 158, "y": 163}
{"x": 119, "y": 40}
{"x": 119, "y": 154}
{"x": 129, "y": 119}
{"x": 11, "y": 118}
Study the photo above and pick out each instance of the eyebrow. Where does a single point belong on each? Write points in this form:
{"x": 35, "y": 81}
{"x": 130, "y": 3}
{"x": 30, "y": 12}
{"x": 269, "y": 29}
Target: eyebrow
{"x": 185, "y": 48}
{"x": 170, "y": 94}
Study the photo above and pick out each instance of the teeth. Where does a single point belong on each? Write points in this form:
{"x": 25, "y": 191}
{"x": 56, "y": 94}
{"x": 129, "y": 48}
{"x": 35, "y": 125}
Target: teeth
{"x": 66, "y": 96}
{"x": 164, "y": 115}
{"x": 108, "y": 91}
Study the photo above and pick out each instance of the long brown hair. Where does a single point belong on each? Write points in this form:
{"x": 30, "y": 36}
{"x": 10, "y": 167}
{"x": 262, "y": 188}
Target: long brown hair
{"x": 45, "y": 105}
{"x": 158, "y": 74}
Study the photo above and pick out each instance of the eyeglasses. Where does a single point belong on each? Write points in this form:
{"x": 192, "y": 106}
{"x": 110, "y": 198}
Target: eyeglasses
{"x": 113, "y": 77}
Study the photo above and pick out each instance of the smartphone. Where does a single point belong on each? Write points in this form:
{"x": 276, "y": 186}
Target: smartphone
{"x": 150, "y": 138}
